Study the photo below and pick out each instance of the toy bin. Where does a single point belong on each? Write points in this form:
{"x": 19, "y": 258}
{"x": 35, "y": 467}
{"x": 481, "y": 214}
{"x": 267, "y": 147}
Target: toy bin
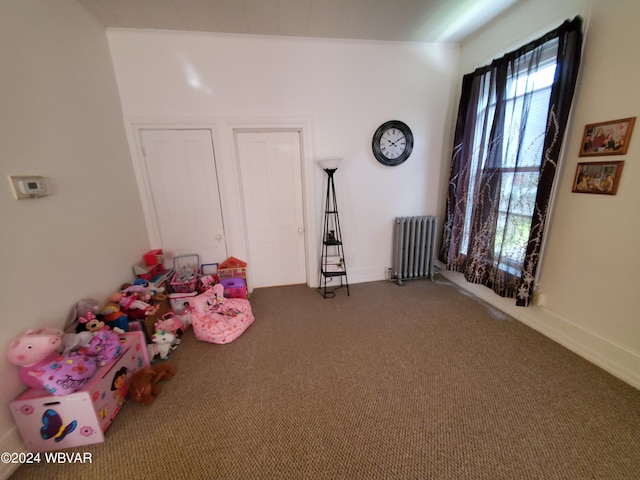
{"x": 234, "y": 287}
{"x": 48, "y": 422}
{"x": 209, "y": 276}
{"x": 179, "y": 302}
{"x": 186, "y": 273}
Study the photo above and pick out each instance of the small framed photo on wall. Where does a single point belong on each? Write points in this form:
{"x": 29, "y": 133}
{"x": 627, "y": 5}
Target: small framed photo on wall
{"x": 597, "y": 177}
{"x": 607, "y": 138}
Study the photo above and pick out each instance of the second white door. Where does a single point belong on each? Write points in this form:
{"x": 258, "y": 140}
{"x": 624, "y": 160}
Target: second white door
{"x": 270, "y": 170}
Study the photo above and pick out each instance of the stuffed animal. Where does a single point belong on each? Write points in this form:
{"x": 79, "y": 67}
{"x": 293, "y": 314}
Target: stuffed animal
{"x": 105, "y": 346}
{"x": 140, "y": 291}
{"x": 111, "y": 314}
{"x": 132, "y": 306}
{"x": 81, "y": 309}
{"x": 42, "y": 367}
{"x": 103, "y": 342}
{"x": 171, "y": 323}
{"x": 92, "y": 324}
{"x": 162, "y": 342}
{"x": 144, "y": 388}
{"x": 157, "y": 293}
{"x": 74, "y": 341}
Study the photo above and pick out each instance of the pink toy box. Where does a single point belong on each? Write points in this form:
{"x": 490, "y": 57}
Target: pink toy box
{"x": 48, "y": 422}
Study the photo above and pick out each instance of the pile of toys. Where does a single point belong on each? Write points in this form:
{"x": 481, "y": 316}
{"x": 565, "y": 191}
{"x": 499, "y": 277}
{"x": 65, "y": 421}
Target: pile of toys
{"x": 90, "y": 338}
{"x": 151, "y": 268}
{"x": 99, "y": 359}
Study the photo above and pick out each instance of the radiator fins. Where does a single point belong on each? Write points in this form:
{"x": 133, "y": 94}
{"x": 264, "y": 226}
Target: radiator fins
{"x": 414, "y": 240}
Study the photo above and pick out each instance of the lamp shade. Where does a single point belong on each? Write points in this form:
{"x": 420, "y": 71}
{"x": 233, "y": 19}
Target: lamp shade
{"x": 328, "y": 163}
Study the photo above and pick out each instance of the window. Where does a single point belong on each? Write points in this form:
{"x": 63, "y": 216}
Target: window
{"x": 520, "y": 161}
{"x": 507, "y": 142}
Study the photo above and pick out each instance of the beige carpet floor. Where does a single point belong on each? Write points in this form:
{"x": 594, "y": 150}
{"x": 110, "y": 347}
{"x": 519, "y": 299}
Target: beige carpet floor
{"x": 421, "y": 381}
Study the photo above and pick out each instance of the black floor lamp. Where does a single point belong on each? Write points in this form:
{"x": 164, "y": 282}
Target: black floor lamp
{"x": 332, "y": 262}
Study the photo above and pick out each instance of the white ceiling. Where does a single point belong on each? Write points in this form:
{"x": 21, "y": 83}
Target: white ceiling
{"x": 386, "y": 20}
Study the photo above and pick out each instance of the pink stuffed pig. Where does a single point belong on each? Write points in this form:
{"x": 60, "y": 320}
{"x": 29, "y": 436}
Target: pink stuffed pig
{"x": 33, "y": 346}
{"x": 42, "y": 367}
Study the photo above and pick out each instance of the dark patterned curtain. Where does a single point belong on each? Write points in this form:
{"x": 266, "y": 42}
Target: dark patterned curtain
{"x": 510, "y": 126}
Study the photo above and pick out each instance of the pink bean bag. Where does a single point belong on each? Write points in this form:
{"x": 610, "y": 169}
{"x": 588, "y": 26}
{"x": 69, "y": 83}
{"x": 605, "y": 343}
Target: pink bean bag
{"x": 216, "y": 319}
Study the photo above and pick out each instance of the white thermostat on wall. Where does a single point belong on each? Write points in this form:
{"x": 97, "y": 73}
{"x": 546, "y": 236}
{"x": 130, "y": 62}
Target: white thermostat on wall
{"x": 30, "y": 187}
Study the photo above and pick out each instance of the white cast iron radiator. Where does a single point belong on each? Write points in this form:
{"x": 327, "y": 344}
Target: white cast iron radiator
{"x": 414, "y": 247}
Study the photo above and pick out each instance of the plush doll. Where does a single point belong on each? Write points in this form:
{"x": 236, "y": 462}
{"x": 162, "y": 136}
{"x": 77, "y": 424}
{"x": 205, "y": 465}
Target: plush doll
{"x": 144, "y": 388}
{"x": 162, "y": 342}
{"x": 139, "y": 291}
{"x": 92, "y": 324}
{"x": 158, "y": 294}
{"x": 80, "y": 309}
{"x": 164, "y": 371}
{"x": 130, "y": 304}
{"x": 171, "y": 323}
{"x": 155, "y": 293}
{"x": 112, "y": 316}
{"x": 105, "y": 342}
{"x": 75, "y": 341}
{"x": 42, "y": 367}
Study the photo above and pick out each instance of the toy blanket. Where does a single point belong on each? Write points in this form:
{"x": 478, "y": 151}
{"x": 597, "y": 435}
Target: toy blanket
{"x": 217, "y": 319}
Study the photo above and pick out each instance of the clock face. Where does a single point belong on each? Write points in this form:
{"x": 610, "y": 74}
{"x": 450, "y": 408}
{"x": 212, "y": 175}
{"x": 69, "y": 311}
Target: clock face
{"x": 392, "y": 143}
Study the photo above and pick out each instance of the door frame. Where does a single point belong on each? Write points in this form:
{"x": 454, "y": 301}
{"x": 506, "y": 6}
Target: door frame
{"x": 228, "y": 170}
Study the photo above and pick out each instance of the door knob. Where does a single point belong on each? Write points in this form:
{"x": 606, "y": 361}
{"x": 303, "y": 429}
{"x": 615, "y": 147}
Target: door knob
{"x": 300, "y": 230}
{"x": 219, "y": 238}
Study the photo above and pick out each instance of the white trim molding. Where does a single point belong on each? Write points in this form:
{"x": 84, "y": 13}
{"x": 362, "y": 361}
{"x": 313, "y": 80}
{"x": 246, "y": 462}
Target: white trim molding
{"x": 613, "y": 358}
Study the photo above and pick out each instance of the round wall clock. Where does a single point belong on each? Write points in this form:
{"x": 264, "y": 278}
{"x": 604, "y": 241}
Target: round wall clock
{"x": 392, "y": 143}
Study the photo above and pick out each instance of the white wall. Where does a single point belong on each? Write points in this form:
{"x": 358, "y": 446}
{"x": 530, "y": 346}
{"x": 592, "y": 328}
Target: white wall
{"x": 589, "y": 275}
{"x": 60, "y": 117}
{"x": 341, "y": 90}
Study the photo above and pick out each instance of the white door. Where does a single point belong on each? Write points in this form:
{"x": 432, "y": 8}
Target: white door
{"x": 270, "y": 171}
{"x": 181, "y": 171}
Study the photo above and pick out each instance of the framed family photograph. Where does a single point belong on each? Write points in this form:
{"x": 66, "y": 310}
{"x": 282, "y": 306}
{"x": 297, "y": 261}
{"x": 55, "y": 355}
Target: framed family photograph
{"x": 607, "y": 138}
{"x": 597, "y": 177}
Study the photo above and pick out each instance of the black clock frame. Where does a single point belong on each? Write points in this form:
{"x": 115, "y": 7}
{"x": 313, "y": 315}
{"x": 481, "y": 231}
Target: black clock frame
{"x": 375, "y": 143}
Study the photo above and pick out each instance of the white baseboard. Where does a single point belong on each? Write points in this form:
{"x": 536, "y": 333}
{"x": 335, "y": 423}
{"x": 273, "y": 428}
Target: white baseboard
{"x": 610, "y": 357}
{"x": 11, "y": 442}
{"x": 364, "y": 275}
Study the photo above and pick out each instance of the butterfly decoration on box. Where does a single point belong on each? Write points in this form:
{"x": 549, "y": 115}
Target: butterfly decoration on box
{"x": 54, "y": 427}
